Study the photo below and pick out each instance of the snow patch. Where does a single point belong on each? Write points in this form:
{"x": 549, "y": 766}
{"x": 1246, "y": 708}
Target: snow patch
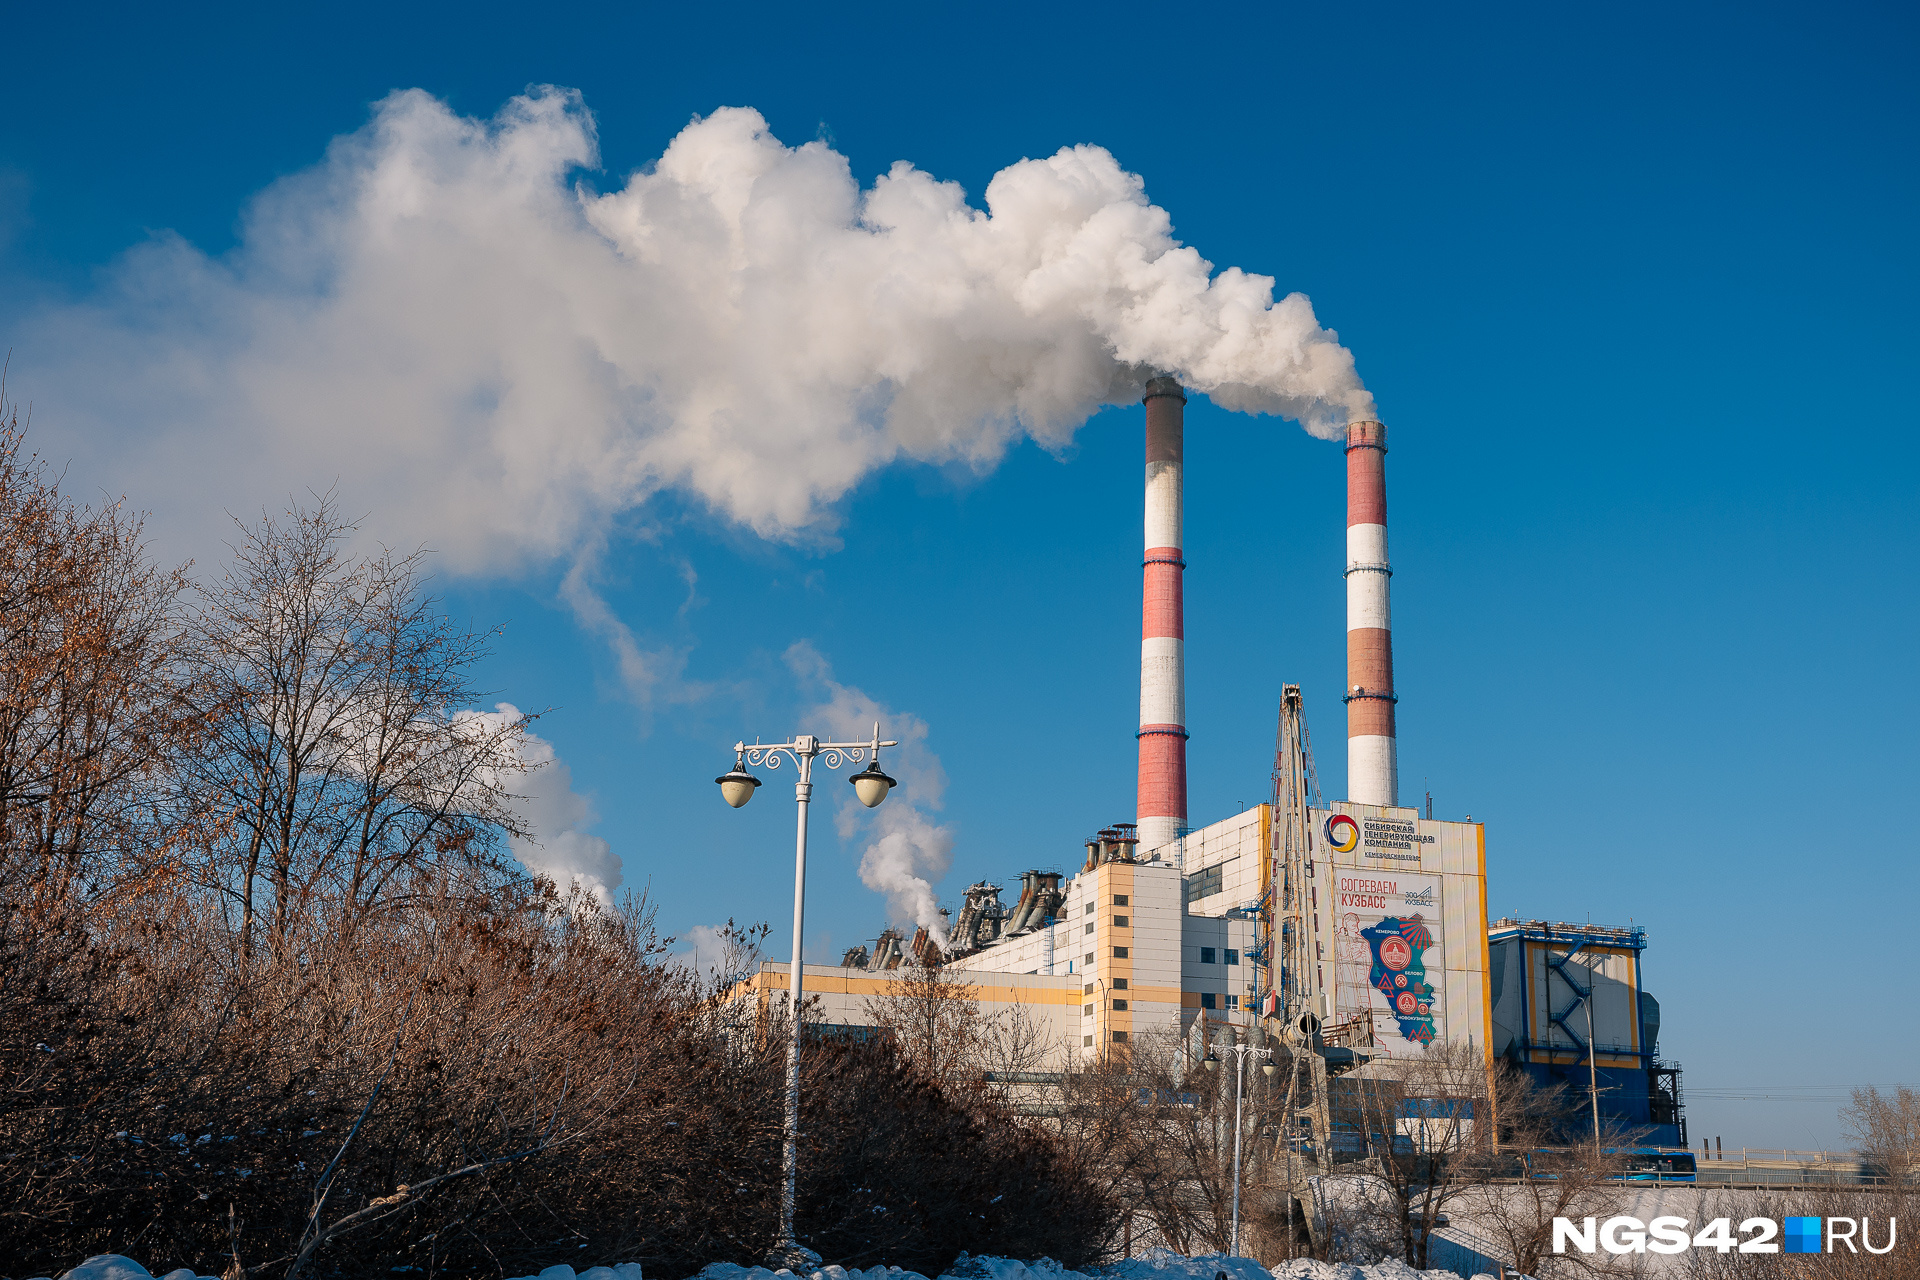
{"x": 1157, "y": 1264}
{"x": 111, "y": 1266}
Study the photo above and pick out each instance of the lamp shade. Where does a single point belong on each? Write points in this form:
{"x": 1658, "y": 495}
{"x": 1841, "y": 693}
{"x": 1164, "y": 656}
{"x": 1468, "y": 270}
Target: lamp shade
{"x": 871, "y": 785}
{"x": 1267, "y": 1069}
{"x": 1210, "y": 1062}
{"x": 736, "y": 786}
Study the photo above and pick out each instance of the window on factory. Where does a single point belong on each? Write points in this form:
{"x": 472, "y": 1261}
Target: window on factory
{"x": 1119, "y": 1036}
{"x": 1119, "y": 1004}
{"x": 1119, "y": 984}
{"x": 1233, "y": 1002}
{"x": 1233, "y": 957}
{"x": 1089, "y": 926}
{"x": 1089, "y": 990}
{"x": 1119, "y": 953}
{"x": 1206, "y": 955}
{"x": 1120, "y": 922}
{"x": 1089, "y": 959}
{"x": 1086, "y": 1010}
{"x": 1088, "y": 909}
{"x": 1119, "y": 899}
{"x": 1086, "y": 1042}
{"x": 1206, "y": 1000}
{"x": 1204, "y": 883}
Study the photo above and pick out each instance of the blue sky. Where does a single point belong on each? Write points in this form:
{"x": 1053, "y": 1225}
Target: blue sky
{"x": 1633, "y": 289}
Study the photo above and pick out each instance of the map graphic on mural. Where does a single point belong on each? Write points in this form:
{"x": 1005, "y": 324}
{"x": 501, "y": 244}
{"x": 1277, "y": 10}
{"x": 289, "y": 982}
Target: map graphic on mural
{"x": 1399, "y": 945}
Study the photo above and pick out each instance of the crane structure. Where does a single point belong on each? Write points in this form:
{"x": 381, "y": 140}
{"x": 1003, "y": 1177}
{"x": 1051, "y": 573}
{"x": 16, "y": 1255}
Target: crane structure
{"x": 1289, "y": 919}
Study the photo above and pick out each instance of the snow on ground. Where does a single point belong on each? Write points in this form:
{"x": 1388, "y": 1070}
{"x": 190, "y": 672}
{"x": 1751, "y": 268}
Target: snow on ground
{"x": 111, "y": 1266}
{"x": 1156, "y": 1265}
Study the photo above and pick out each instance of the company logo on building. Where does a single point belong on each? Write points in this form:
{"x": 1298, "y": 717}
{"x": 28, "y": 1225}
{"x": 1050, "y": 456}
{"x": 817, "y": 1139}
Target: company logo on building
{"x": 1420, "y": 897}
{"x": 1343, "y": 833}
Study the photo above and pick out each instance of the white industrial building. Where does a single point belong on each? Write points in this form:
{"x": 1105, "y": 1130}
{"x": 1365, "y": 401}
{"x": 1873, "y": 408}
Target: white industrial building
{"x": 1157, "y": 941}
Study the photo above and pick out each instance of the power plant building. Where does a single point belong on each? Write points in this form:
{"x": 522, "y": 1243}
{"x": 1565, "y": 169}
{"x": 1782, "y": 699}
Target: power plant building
{"x": 1364, "y": 916}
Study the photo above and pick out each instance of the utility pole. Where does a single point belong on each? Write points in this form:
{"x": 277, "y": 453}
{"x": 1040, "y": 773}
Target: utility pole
{"x": 1593, "y": 1062}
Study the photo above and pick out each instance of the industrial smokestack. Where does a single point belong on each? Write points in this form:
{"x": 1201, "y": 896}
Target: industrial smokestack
{"x": 1373, "y": 766}
{"x": 1163, "y": 666}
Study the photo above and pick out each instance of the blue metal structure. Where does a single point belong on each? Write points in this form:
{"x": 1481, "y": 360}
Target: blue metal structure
{"x": 1545, "y": 1029}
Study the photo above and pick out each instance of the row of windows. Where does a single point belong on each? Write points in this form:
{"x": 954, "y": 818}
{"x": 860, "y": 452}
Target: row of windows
{"x": 1119, "y": 900}
{"x": 1119, "y": 922}
{"x": 1119, "y": 984}
{"x": 1118, "y": 1036}
{"x": 1208, "y": 1000}
{"x": 1208, "y": 955}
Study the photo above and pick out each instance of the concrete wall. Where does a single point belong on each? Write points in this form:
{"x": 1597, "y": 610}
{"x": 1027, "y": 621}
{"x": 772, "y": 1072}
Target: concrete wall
{"x": 1236, "y": 845}
{"x": 1053, "y": 1003}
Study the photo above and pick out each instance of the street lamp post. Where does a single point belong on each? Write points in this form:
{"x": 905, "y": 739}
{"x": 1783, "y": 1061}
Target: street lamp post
{"x": 736, "y": 788}
{"x": 1240, "y": 1052}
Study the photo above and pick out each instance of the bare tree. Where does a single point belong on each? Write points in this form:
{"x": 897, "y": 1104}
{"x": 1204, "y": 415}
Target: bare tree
{"x": 936, "y": 1020}
{"x": 90, "y": 717}
{"x": 1532, "y": 1180}
{"x": 1012, "y": 1043}
{"x": 1158, "y": 1132}
{"x": 1886, "y": 1129}
{"x": 343, "y": 759}
{"x": 1425, "y": 1122}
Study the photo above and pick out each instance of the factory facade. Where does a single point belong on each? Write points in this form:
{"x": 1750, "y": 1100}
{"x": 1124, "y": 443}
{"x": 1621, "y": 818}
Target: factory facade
{"x": 1360, "y": 914}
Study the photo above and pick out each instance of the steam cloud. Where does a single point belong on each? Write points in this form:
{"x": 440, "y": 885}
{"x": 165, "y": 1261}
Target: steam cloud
{"x": 912, "y": 851}
{"x": 499, "y": 362}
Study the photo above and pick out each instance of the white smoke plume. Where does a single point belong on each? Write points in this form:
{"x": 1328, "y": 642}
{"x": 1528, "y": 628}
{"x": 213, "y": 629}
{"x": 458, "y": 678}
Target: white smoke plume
{"x": 498, "y": 361}
{"x": 556, "y": 814}
{"x": 912, "y": 852}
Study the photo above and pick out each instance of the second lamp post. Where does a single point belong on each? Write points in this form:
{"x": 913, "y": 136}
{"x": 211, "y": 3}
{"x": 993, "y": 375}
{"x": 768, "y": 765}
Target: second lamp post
{"x": 736, "y": 788}
{"x": 1240, "y": 1052}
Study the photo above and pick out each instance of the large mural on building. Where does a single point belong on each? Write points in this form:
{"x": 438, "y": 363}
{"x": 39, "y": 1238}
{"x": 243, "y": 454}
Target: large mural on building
{"x": 1388, "y": 959}
{"x": 1399, "y": 973}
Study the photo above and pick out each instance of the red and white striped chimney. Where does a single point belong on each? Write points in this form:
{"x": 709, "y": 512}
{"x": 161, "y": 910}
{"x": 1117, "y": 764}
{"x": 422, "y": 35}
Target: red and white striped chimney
{"x": 1373, "y": 766}
{"x": 1163, "y": 666}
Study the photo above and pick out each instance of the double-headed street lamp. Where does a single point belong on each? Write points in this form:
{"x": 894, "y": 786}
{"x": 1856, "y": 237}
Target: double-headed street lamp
{"x": 736, "y": 788}
{"x": 1212, "y": 1063}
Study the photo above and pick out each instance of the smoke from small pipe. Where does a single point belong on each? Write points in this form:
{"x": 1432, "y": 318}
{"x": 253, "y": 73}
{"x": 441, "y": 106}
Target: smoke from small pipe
{"x": 909, "y": 852}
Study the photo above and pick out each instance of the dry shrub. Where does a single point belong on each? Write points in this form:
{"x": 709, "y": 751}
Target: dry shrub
{"x": 185, "y": 1109}
{"x": 898, "y": 1168}
{"x": 273, "y": 1001}
{"x": 1903, "y": 1263}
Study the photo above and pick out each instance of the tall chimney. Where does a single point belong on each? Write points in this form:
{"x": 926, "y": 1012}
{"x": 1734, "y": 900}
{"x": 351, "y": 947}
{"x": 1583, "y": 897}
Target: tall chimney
{"x": 1373, "y": 766}
{"x": 1163, "y": 666}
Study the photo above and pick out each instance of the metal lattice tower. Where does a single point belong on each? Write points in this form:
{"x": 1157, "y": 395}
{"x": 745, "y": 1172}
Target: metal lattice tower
{"x": 1296, "y": 785}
